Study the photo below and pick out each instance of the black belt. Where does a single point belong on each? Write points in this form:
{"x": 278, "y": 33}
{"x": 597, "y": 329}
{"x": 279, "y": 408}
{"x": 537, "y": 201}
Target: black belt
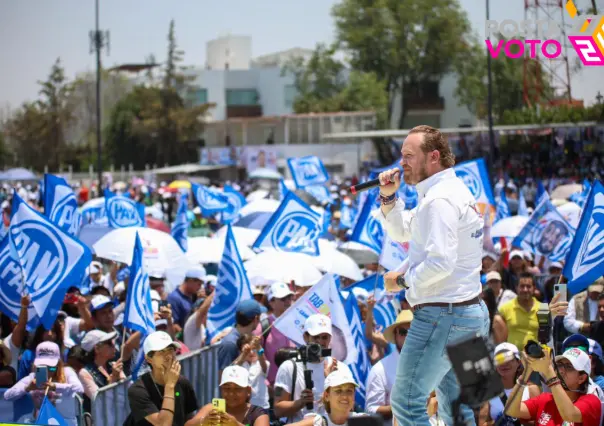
{"x": 474, "y": 301}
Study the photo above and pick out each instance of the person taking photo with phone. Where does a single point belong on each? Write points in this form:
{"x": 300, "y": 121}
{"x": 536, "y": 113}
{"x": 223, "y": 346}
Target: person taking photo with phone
{"x": 235, "y": 408}
{"x": 50, "y": 378}
{"x": 161, "y": 397}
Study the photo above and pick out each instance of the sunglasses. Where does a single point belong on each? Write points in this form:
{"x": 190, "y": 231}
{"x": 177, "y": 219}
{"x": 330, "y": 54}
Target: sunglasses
{"x": 402, "y": 332}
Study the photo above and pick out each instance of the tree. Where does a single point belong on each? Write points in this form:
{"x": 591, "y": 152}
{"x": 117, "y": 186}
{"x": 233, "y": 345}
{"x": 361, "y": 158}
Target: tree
{"x": 507, "y": 82}
{"x": 403, "y": 42}
{"x": 558, "y": 114}
{"x": 325, "y": 84}
{"x": 54, "y": 105}
{"x": 27, "y": 133}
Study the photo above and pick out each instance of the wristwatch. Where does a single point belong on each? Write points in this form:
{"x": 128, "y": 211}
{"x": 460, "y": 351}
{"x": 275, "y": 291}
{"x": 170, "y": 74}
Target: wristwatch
{"x": 400, "y": 282}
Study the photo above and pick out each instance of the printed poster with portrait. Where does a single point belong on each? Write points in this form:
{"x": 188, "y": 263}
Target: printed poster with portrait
{"x": 259, "y": 157}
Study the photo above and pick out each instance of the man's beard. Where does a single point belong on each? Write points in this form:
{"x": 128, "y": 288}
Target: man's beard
{"x": 420, "y": 175}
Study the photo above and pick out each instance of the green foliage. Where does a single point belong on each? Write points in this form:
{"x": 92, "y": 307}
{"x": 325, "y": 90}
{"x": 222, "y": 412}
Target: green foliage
{"x": 403, "y": 42}
{"x": 560, "y": 114}
{"x": 323, "y": 84}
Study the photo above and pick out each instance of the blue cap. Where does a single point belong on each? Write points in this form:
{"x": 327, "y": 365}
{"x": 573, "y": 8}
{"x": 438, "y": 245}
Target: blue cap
{"x": 595, "y": 348}
{"x": 249, "y": 308}
{"x": 575, "y": 340}
{"x": 123, "y": 273}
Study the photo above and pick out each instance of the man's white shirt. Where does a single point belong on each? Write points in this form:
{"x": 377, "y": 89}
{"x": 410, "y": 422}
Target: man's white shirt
{"x": 379, "y": 384}
{"x": 571, "y": 323}
{"x": 445, "y": 233}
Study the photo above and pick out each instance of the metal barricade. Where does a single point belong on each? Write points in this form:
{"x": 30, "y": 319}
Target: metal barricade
{"x": 110, "y": 405}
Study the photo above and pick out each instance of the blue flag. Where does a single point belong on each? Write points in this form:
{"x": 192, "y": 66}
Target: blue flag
{"x": 181, "y": 224}
{"x": 293, "y": 227}
{"x": 474, "y": 174}
{"x": 61, "y": 205}
{"x": 522, "y": 208}
{"x": 546, "y": 233}
{"x": 307, "y": 171}
{"x": 11, "y": 287}
{"x": 503, "y": 209}
{"x": 580, "y": 197}
{"x": 209, "y": 201}
{"x": 51, "y": 260}
{"x": 139, "y": 311}
{"x": 232, "y": 287}
{"x": 320, "y": 192}
{"x": 368, "y": 284}
{"x": 360, "y": 368}
{"x": 48, "y": 415}
{"x": 236, "y": 201}
{"x": 282, "y": 190}
{"x": 585, "y": 261}
{"x": 367, "y": 229}
{"x": 347, "y": 216}
{"x": 384, "y": 314}
{"x": 123, "y": 212}
{"x": 541, "y": 193}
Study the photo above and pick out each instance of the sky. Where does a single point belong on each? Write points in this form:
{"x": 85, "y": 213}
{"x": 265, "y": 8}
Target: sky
{"x": 33, "y": 33}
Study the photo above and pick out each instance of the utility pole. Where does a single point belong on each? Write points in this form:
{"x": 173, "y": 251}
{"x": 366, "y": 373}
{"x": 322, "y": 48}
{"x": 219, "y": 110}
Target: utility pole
{"x": 490, "y": 103}
{"x": 98, "y": 41}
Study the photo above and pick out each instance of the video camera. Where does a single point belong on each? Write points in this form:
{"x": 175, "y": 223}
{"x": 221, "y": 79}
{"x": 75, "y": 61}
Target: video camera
{"x": 312, "y": 353}
{"x": 309, "y": 353}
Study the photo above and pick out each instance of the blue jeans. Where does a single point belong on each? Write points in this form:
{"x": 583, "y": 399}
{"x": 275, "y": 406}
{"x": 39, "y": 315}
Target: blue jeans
{"x": 424, "y": 365}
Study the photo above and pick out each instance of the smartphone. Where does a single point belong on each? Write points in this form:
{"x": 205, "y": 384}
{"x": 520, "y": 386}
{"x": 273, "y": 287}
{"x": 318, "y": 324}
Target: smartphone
{"x": 41, "y": 375}
{"x": 163, "y": 304}
{"x": 560, "y": 289}
{"x": 219, "y": 404}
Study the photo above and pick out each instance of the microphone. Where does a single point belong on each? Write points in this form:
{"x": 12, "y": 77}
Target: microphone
{"x": 370, "y": 184}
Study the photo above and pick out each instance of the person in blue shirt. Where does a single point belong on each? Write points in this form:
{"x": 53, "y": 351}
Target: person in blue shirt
{"x": 182, "y": 299}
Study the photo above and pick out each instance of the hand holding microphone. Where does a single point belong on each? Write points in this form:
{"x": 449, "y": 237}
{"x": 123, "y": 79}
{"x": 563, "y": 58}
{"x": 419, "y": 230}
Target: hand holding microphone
{"x": 390, "y": 181}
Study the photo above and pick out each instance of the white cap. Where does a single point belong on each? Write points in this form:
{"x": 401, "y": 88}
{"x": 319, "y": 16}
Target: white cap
{"x": 211, "y": 279}
{"x": 338, "y": 378}
{"x": 257, "y": 291}
{"x": 343, "y": 192}
{"x": 507, "y": 347}
{"x": 98, "y": 302}
{"x": 361, "y": 294}
{"x": 528, "y": 256}
{"x": 579, "y": 359}
{"x": 97, "y": 264}
{"x": 197, "y": 210}
{"x": 196, "y": 273}
{"x": 5, "y": 204}
{"x": 94, "y": 337}
{"x": 160, "y": 322}
{"x": 235, "y": 374}
{"x": 158, "y": 341}
{"x": 515, "y": 253}
{"x": 490, "y": 255}
{"x": 556, "y": 265}
{"x": 317, "y": 324}
{"x": 279, "y": 291}
{"x": 493, "y": 275}
{"x": 93, "y": 269}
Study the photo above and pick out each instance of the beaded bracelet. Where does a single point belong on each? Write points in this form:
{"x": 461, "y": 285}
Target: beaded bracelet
{"x": 554, "y": 383}
{"x": 550, "y": 381}
{"x": 387, "y": 199}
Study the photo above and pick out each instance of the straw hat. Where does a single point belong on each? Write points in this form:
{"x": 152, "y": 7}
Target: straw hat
{"x": 404, "y": 317}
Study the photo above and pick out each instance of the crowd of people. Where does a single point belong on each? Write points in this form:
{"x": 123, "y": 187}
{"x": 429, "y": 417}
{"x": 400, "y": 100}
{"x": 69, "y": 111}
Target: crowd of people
{"x": 261, "y": 379}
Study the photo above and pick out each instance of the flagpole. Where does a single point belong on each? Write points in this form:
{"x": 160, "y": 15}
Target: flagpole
{"x": 123, "y": 341}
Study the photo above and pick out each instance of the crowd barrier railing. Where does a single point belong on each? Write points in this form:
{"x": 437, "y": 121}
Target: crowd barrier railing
{"x": 110, "y": 405}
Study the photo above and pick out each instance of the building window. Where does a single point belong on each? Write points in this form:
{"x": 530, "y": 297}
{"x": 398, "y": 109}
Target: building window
{"x": 242, "y": 97}
{"x": 197, "y": 97}
{"x": 290, "y": 95}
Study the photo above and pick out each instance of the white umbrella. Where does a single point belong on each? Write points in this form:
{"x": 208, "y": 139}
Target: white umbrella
{"x": 565, "y": 191}
{"x": 209, "y": 250}
{"x": 161, "y": 253}
{"x": 93, "y": 203}
{"x": 257, "y": 195}
{"x": 155, "y": 212}
{"x": 571, "y": 212}
{"x": 243, "y": 236}
{"x": 281, "y": 266}
{"x": 264, "y": 173}
{"x": 509, "y": 226}
{"x": 360, "y": 253}
{"x": 335, "y": 262}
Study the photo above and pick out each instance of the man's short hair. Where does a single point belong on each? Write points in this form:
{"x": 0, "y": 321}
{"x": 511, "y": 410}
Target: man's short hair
{"x": 434, "y": 140}
{"x": 527, "y": 276}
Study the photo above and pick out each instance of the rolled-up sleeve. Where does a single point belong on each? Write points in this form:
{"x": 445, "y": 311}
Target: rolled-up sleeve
{"x": 571, "y": 323}
{"x": 397, "y": 223}
{"x": 438, "y": 224}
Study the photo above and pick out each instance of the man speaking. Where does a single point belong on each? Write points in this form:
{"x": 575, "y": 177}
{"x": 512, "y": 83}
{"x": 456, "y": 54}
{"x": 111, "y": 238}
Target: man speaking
{"x": 441, "y": 274}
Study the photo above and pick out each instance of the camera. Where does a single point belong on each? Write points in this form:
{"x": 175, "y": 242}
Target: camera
{"x": 545, "y": 324}
{"x": 535, "y": 350}
{"x": 312, "y": 353}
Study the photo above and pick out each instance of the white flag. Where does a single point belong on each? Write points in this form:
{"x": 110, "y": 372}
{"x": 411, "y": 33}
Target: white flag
{"x": 322, "y": 298}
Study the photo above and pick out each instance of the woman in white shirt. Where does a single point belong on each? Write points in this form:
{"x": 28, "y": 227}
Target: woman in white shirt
{"x": 509, "y": 367}
{"x": 337, "y": 401}
{"x": 252, "y": 358}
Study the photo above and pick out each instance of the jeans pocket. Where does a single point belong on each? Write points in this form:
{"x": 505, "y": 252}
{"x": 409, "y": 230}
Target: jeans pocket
{"x": 459, "y": 332}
